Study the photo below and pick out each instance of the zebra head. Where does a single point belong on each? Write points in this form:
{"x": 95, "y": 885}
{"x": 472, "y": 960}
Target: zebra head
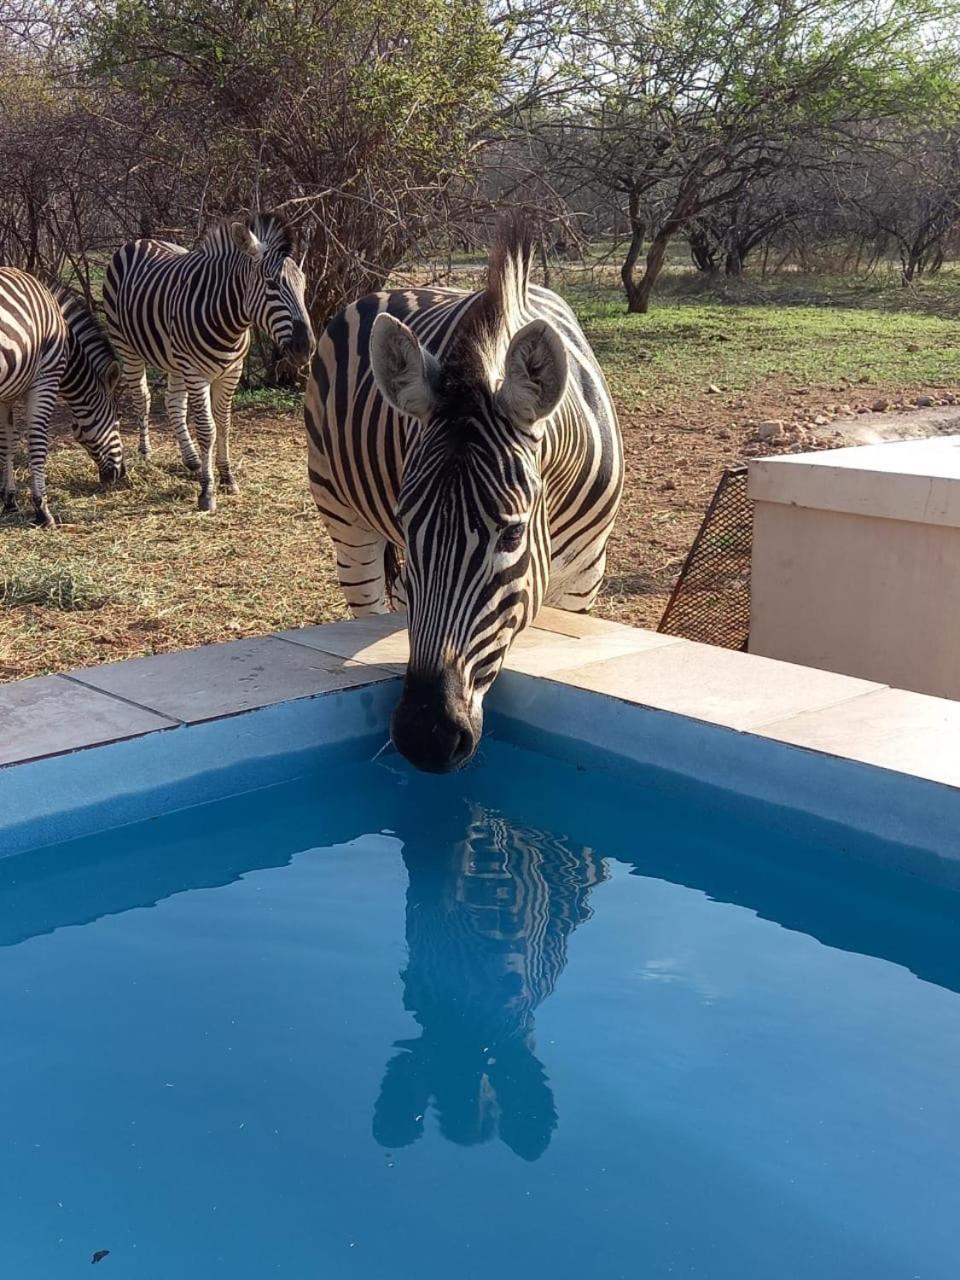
{"x": 474, "y": 521}
{"x": 274, "y": 296}
{"x": 90, "y": 386}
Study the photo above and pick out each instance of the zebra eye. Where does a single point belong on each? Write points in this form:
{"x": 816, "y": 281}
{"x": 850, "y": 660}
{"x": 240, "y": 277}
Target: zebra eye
{"x": 510, "y": 537}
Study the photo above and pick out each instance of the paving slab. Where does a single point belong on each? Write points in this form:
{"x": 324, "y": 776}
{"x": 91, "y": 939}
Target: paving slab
{"x": 907, "y": 732}
{"x": 721, "y": 686}
{"x": 48, "y": 715}
{"x": 222, "y": 679}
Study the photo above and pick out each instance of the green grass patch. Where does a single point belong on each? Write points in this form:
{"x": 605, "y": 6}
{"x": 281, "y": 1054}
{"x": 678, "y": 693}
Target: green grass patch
{"x": 65, "y": 586}
{"x": 275, "y": 399}
{"x": 810, "y": 333}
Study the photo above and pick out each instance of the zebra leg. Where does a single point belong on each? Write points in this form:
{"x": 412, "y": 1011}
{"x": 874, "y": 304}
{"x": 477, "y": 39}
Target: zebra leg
{"x": 176, "y": 402}
{"x": 361, "y": 553}
{"x": 221, "y": 393}
{"x": 134, "y": 374}
{"x": 360, "y": 567}
{"x": 7, "y": 478}
{"x": 39, "y": 404}
{"x": 198, "y": 395}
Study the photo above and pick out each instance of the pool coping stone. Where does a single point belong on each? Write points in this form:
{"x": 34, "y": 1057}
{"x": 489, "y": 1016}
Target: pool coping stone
{"x": 802, "y": 708}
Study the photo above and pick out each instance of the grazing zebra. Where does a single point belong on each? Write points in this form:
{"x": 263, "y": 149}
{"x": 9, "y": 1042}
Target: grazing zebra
{"x": 475, "y": 431}
{"x": 190, "y": 314}
{"x": 50, "y": 344}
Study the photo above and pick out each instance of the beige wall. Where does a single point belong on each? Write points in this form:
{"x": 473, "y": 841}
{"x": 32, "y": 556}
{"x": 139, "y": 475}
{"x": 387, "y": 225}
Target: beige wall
{"x": 864, "y": 595}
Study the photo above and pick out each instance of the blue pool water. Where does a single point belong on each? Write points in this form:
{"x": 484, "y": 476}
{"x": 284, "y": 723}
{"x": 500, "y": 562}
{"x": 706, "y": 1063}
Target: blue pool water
{"x": 523, "y": 1022}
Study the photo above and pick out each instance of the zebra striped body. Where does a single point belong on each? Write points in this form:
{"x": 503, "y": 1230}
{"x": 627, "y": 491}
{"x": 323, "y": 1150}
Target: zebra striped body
{"x": 189, "y": 314}
{"x": 475, "y": 432}
{"x": 50, "y": 345}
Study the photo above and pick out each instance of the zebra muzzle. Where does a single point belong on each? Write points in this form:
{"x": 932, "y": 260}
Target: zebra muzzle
{"x": 111, "y": 472}
{"x": 300, "y": 347}
{"x": 432, "y": 726}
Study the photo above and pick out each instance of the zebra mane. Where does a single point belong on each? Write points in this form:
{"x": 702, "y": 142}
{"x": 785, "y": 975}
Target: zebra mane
{"x": 500, "y": 309}
{"x": 85, "y": 329}
{"x": 269, "y": 228}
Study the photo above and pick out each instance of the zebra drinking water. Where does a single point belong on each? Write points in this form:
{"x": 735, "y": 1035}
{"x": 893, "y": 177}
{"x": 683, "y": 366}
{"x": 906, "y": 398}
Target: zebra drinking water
{"x": 190, "y": 314}
{"x": 476, "y": 432}
{"x": 51, "y": 344}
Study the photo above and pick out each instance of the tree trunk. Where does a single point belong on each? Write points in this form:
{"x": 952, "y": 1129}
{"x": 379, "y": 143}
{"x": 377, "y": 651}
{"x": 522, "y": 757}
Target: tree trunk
{"x": 702, "y": 250}
{"x": 685, "y": 207}
{"x": 638, "y": 299}
{"x": 638, "y": 232}
{"x": 733, "y": 264}
{"x": 909, "y": 260}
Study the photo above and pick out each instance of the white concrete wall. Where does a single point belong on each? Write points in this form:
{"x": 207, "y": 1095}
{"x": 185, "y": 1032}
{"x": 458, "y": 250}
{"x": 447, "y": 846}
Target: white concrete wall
{"x": 856, "y": 563}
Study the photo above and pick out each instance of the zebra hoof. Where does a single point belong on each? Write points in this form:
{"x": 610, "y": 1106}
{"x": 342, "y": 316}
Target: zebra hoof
{"x": 144, "y": 453}
{"x": 192, "y": 465}
{"x": 43, "y": 519}
{"x": 206, "y": 503}
{"x": 10, "y": 505}
{"x": 229, "y": 485}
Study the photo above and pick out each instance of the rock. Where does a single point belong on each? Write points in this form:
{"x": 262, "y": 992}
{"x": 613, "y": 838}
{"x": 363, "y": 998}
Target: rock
{"x": 862, "y": 408}
{"x": 924, "y": 402}
{"x": 913, "y": 346}
{"x": 723, "y": 435}
{"x": 768, "y": 430}
{"x": 713, "y": 389}
{"x": 668, "y": 486}
{"x": 820, "y": 420}
{"x": 949, "y": 399}
{"x": 880, "y": 406}
{"x": 864, "y": 377}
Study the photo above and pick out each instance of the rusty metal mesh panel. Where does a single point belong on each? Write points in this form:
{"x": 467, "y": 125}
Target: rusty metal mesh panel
{"x": 711, "y": 598}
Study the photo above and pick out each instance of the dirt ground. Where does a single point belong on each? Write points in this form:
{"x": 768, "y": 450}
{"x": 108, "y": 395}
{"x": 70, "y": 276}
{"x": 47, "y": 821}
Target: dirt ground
{"x": 138, "y": 571}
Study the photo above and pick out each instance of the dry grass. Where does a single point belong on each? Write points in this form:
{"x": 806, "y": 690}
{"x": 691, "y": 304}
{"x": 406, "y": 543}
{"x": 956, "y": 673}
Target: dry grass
{"x": 138, "y": 570}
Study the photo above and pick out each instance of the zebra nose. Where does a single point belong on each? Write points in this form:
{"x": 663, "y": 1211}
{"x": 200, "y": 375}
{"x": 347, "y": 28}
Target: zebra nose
{"x": 111, "y": 472}
{"x": 432, "y": 729}
{"x": 300, "y": 347}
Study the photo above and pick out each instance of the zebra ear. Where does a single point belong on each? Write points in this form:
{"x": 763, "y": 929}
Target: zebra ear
{"x": 535, "y": 374}
{"x": 401, "y": 367}
{"x": 245, "y": 240}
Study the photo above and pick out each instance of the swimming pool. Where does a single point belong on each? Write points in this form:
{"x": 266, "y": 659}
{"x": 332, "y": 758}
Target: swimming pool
{"x": 309, "y": 1013}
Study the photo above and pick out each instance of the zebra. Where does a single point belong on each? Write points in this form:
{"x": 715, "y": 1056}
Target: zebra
{"x": 51, "y": 344}
{"x": 189, "y": 313}
{"x": 476, "y": 432}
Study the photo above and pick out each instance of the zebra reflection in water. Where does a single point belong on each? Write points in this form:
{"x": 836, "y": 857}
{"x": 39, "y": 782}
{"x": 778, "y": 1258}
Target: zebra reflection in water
{"x": 487, "y": 929}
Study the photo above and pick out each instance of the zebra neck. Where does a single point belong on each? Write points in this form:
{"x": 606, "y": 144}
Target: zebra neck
{"x": 224, "y": 300}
